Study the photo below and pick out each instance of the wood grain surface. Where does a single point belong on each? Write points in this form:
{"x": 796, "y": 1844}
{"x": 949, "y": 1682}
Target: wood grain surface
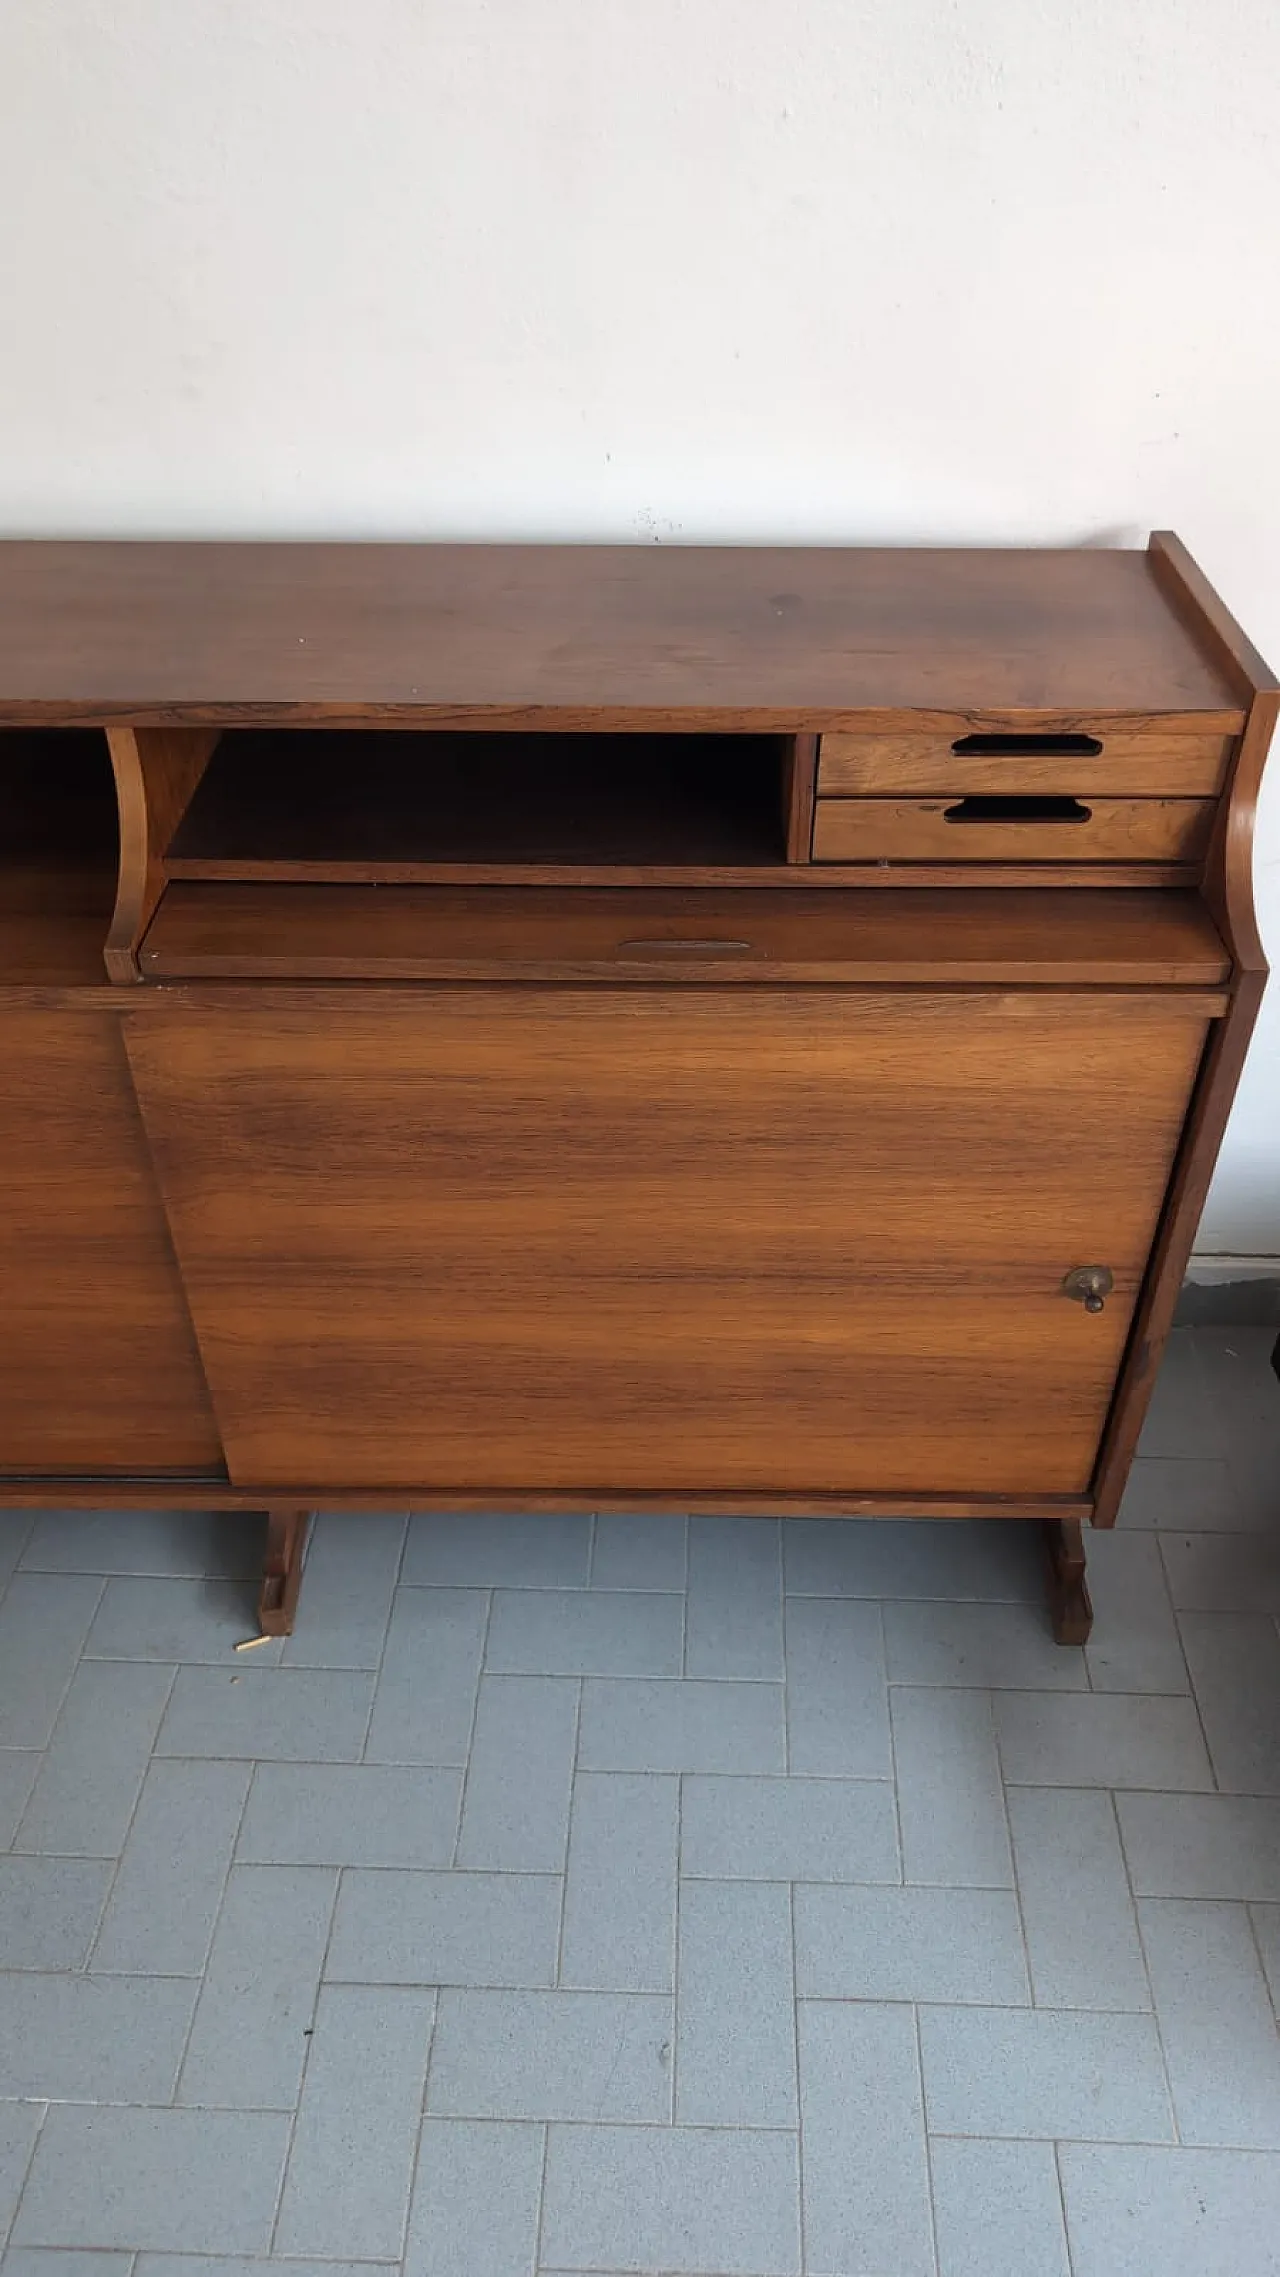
{"x": 156, "y": 772}
{"x": 317, "y": 932}
{"x": 783, "y": 637}
{"x": 1216, "y": 631}
{"x": 98, "y": 1365}
{"x": 1139, "y": 762}
{"x": 920, "y": 830}
{"x": 831, "y": 876}
{"x": 83, "y": 1493}
{"x": 649, "y": 1240}
{"x": 800, "y": 773}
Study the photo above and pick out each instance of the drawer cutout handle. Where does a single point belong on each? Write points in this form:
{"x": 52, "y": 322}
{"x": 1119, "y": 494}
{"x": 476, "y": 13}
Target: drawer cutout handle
{"x": 1028, "y": 746}
{"x": 700, "y": 947}
{"x": 1018, "y": 810}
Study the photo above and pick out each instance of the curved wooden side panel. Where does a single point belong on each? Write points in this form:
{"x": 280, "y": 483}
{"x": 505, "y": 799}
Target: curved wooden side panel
{"x": 1228, "y": 891}
{"x": 1228, "y": 875}
{"x": 157, "y": 770}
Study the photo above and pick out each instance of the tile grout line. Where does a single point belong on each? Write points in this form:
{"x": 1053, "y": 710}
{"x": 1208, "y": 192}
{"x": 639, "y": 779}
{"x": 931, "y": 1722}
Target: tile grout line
{"x": 657, "y": 2128}
{"x": 471, "y": 1729}
{"x": 1013, "y": 1868}
{"x": 924, "y": 2129}
{"x": 1217, "y": 1787}
{"x": 795, "y": 2045}
{"x": 631, "y": 1992}
{"x": 416, "y": 1763}
{"x": 17, "y": 1566}
{"x": 1162, "y": 1794}
{"x": 1175, "y": 1615}
{"x": 1146, "y": 1970}
{"x": 782, "y": 1650}
{"x": 374, "y": 1688}
{"x": 152, "y": 1757}
{"x": 309, "y": 2034}
{"x": 542, "y": 2194}
{"x": 1008, "y": 1823}
{"x": 43, "y": 1750}
{"x": 559, "y": 1676}
{"x": 528, "y": 1589}
{"x": 219, "y": 1910}
{"x": 1089, "y": 1685}
{"x": 7, "y": 2235}
{"x": 1062, "y": 2202}
{"x": 1249, "y": 1906}
{"x": 249, "y": 1577}
{"x": 1116, "y": 2142}
{"x": 675, "y": 1951}
{"x": 568, "y": 1834}
{"x": 893, "y": 1749}
{"x": 787, "y": 1772}
{"x": 415, "y": 2163}
{"x": 1103, "y": 2142}
{"x": 1112, "y": 1796}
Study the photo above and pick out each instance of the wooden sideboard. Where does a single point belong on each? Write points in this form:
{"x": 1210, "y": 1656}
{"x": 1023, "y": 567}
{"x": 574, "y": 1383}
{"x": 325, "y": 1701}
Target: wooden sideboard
{"x": 610, "y": 1027}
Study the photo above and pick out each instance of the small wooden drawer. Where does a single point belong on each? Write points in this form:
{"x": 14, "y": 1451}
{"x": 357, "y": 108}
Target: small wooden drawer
{"x": 1011, "y": 829}
{"x": 1143, "y": 761}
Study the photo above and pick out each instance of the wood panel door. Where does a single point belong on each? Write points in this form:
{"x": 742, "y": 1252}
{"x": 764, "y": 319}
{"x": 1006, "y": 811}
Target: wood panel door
{"x": 663, "y": 1240}
{"x": 99, "y": 1372}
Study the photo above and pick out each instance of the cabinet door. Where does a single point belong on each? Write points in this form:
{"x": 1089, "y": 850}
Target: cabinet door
{"x": 667, "y": 1240}
{"x": 99, "y": 1372}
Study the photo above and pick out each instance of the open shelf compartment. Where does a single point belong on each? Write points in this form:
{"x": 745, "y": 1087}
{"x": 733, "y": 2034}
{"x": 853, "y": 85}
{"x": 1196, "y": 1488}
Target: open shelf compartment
{"x": 341, "y": 805}
{"x": 59, "y": 855}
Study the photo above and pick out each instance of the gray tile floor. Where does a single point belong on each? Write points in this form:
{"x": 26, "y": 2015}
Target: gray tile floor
{"x": 631, "y": 1896}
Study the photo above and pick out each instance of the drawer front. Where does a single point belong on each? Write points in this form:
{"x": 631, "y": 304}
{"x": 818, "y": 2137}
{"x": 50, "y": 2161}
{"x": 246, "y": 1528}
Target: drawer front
{"x": 1132, "y": 762}
{"x": 1012, "y": 829}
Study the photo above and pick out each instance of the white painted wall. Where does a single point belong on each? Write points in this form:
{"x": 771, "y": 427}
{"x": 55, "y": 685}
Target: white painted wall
{"x": 821, "y": 270}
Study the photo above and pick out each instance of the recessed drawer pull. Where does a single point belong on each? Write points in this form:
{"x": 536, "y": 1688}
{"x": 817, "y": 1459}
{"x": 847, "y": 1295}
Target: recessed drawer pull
{"x": 1018, "y": 810}
{"x": 1029, "y": 746}
{"x": 708, "y": 948}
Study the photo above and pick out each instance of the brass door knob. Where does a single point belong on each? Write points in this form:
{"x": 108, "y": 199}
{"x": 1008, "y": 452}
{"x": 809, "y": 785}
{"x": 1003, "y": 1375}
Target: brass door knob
{"x": 1089, "y": 1285}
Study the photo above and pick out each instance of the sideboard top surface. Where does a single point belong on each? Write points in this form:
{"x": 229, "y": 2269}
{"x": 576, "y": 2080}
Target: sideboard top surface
{"x": 795, "y": 636}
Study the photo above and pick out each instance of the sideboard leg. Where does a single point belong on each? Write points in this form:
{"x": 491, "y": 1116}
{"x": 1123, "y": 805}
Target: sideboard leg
{"x": 1070, "y": 1608}
{"x": 282, "y": 1572}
